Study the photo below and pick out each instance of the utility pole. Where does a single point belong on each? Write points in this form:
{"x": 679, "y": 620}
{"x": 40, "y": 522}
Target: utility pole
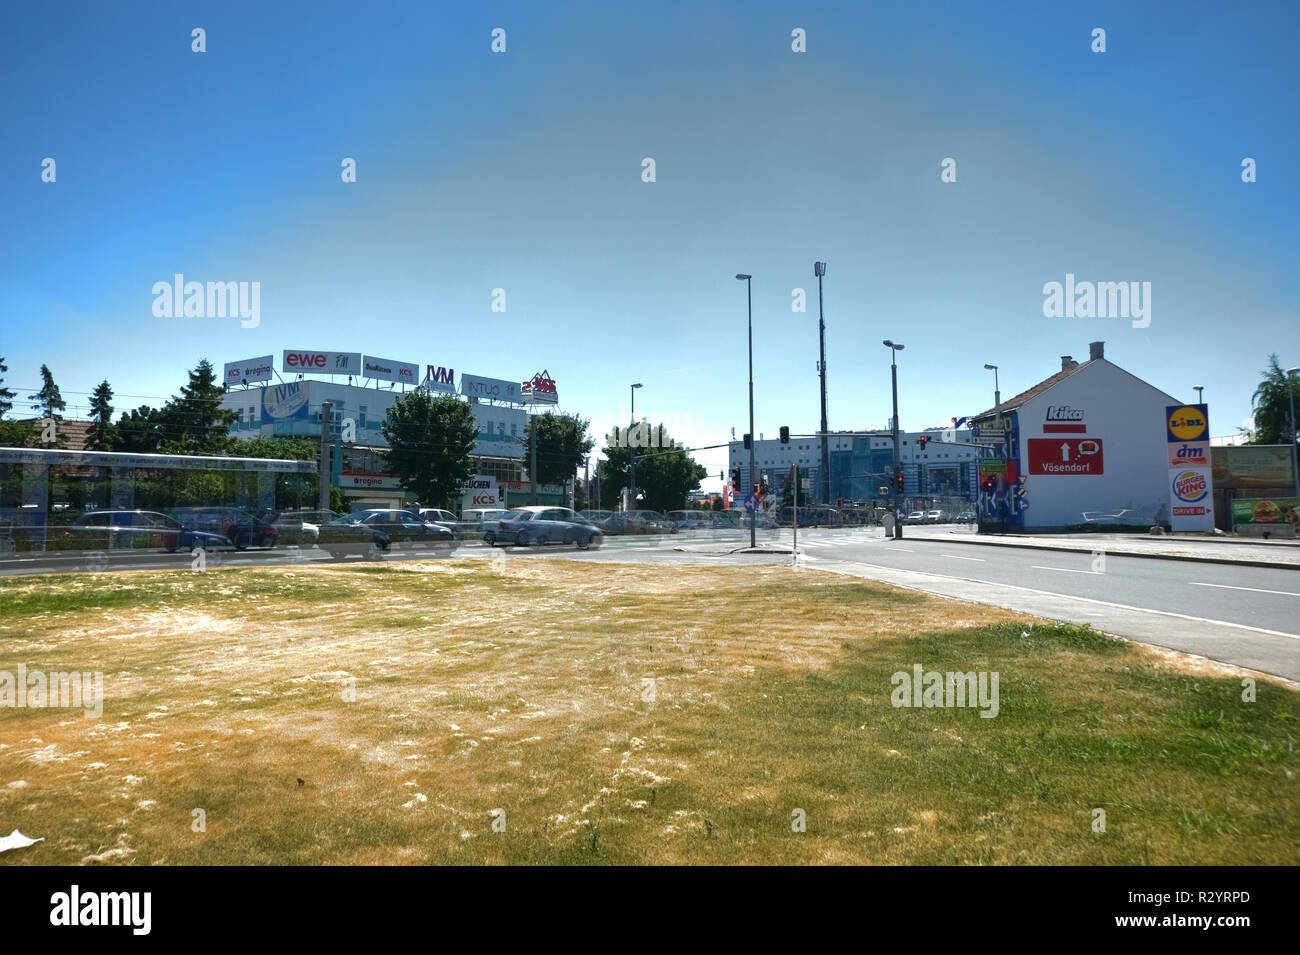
{"x": 326, "y": 421}
{"x": 819, "y": 269}
{"x": 532, "y": 454}
{"x": 749, "y": 299}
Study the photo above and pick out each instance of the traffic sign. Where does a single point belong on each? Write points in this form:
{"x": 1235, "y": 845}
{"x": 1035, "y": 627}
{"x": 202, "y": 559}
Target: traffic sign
{"x": 1065, "y": 455}
{"x": 749, "y": 503}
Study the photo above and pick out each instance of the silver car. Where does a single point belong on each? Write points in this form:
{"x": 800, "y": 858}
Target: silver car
{"x": 535, "y": 526}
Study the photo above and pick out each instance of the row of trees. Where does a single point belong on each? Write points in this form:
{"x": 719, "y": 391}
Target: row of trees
{"x": 431, "y": 437}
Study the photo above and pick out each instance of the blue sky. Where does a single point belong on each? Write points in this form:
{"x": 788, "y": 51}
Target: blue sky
{"x": 522, "y": 171}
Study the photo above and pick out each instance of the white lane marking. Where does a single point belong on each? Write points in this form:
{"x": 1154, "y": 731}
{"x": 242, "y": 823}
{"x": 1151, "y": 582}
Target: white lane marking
{"x": 1091, "y": 600}
{"x": 1068, "y": 570}
{"x": 955, "y": 557}
{"x": 1257, "y": 590}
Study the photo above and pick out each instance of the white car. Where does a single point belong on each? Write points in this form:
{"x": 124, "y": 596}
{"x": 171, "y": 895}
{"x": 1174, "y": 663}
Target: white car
{"x": 936, "y": 517}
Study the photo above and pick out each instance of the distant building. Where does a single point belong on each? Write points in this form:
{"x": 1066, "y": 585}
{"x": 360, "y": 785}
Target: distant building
{"x": 863, "y": 461}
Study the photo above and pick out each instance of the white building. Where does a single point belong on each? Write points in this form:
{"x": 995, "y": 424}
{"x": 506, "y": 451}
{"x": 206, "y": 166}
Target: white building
{"x": 292, "y": 408}
{"x": 1087, "y": 445}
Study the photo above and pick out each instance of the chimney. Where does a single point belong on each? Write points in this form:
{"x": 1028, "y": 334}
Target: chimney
{"x": 1067, "y": 363}
{"x": 1096, "y": 350}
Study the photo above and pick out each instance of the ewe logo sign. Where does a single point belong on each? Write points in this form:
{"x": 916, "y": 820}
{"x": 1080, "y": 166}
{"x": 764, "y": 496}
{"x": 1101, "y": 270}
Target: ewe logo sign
{"x": 322, "y": 362}
{"x": 1191, "y": 486}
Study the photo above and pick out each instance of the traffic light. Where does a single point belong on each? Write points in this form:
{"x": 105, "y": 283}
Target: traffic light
{"x": 785, "y": 435}
{"x": 735, "y": 479}
{"x": 988, "y": 484}
{"x": 898, "y": 481}
{"x": 922, "y": 440}
{"x": 749, "y": 441}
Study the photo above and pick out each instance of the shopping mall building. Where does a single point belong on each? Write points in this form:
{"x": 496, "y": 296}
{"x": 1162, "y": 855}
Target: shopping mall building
{"x": 359, "y": 390}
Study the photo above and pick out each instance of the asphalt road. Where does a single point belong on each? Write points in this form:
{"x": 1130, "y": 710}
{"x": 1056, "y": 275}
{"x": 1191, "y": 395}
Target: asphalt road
{"x": 1243, "y": 615}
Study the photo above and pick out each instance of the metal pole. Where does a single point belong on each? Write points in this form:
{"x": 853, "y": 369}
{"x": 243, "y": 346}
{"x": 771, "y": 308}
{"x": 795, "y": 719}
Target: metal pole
{"x": 532, "y": 467}
{"x": 753, "y": 520}
{"x": 326, "y": 419}
{"x": 631, "y": 486}
{"x": 1290, "y": 390}
{"x": 820, "y": 269}
{"x": 794, "y": 551}
{"x": 898, "y": 460}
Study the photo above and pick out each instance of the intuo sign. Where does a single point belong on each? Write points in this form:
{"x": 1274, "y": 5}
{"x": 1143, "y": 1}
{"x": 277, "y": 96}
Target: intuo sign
{"x": 489, "y": 389}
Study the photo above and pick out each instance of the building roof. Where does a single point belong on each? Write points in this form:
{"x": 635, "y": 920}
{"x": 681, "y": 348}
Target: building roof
{"x": 1029, "y": 393}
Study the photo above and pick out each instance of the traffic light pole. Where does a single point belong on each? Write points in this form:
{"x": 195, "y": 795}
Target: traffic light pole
{"x": 753, "y": 515}
{"x": 820, "y": 269}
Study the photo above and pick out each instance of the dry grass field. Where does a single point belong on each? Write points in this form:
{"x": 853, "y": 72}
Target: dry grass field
{"x": 551, "y": 711}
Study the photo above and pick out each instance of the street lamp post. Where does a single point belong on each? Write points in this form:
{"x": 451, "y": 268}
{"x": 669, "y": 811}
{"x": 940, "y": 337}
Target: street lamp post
{"x": 631, "y": 491}
{"x": 749, "y": 297}
{"x": 1290, "y": 391}
{"x": 819, "y": 269}
{"x": 1200, "y": 399}
{"x": 894, "y": 349}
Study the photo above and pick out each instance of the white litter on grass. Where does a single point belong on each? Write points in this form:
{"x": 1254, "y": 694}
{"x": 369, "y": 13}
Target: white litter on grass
{"x": 16, "y": 840}
{"x": 419, "y": 798}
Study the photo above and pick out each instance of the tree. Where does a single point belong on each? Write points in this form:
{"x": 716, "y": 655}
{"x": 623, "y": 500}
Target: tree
{"x": 49, "y": 402}
{"x": 102, "y": 435}
{"x": 194, "y": 422}
{"x": 430, "y": 440}
{"x": 6, "y": 394}
{"x": 139, "y": 431}
{"x": 1272, "y": 402}
{"x": 562, "y": 444}
{"x": 665, "y": 475}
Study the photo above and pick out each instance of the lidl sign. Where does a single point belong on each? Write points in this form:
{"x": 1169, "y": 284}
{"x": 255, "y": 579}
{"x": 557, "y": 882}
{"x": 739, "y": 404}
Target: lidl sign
{"x": 1188, "y": 423}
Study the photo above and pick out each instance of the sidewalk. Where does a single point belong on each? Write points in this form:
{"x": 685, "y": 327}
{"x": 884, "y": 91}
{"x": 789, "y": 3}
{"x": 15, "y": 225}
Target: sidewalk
{"x": 1223, "y": 550}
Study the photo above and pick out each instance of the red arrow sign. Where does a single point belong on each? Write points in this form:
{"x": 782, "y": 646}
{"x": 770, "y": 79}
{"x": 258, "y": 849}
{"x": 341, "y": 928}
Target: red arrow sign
{"x": 1065, "y": 456}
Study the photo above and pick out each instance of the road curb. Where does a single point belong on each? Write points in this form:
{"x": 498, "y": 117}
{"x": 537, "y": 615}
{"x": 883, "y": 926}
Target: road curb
{"x": 1112, "y": 552}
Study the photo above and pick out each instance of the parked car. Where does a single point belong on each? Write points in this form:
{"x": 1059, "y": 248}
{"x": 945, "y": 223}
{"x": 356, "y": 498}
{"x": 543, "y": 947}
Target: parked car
{"x": 690, "y": 520}
{"x": 244, "y": 529}
{"x": 405, "y": 529}
{"x": 936, "y": 517}
{"x": 300, "y": 528}
{"x": 473, "y": 520}
{"x": 915, "y": 517}
{"x": 637, "y": 522}
{"x": 966, "y": 517}
{"x": 596, "y": 516}
{"x": 345, "y": 536}
{"x": 536, "y": 526}
{"x": 435, "y": 515}
{"x": 136, "y": 530}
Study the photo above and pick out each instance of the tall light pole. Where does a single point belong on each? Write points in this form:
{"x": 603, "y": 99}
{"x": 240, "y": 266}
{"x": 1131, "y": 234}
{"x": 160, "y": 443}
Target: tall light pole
{"x": 819, "y": 269}
{"x": 631, "y": 491}
{"x": 1290, "y": 391}
{"x": 749, "y": 297}
{"x": 894, "y": 349}
{"x": 1200, "y": 399}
